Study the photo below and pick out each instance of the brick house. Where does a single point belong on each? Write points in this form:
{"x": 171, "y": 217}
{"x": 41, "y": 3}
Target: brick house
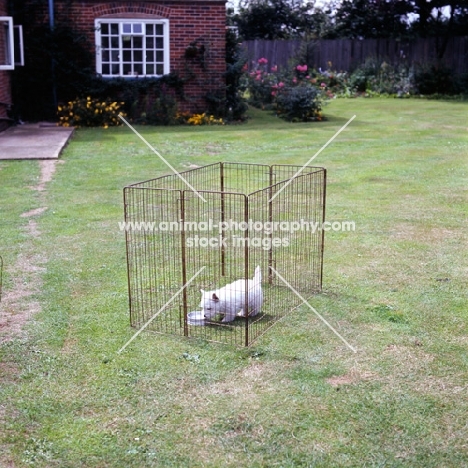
{"x": 150, "y": 38}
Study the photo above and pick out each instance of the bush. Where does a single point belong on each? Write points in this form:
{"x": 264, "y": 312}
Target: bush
{"x": 155, "y": 110}
{"x": 433, "y": 79}
{"x": 236, "y": 60}
{"x": 90, "y": 112}
{"x": 297, "y": 96}
{"x": 204, "y": 119}
{"x": 261, "y": 85}
{"x": 147, "y": 100}
{"x": 301, "y": 103}
{"x": 379, "y": 77}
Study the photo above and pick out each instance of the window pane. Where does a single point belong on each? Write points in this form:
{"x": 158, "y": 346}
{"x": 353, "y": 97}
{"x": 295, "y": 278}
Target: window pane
{"x": 159, "y": 56}
{"x": 105, "y": 42}
{"x": 127, "y": 69}
{"x": 114, "y": 28}
{"x": 149, "y": 56}
{"x": 115, "y": 69}
{"x": 115, "y": 55}
{"x": 105, "y": 56}
{"x": 139, "y": 68}
{"x": 126, "y": 28}
{"x": 150, "y": 69}
{"x": 159, "y": 69}
{"x": 138, "y": 42}
{"x": 138, "y": 56}
{"x": 127, "y": 42}
{"x": 149, "y": 42}
{"x": 149, "y": 29}
{"x": 105, "y": 69}
{"x": 115, "y": 42}
{"x": 127, "y": 55}
{"x": 159, "y": 43}
{"x": 137, "y": 28}
{"x": 104, "y": 28}
{"x": 159, "y": 29}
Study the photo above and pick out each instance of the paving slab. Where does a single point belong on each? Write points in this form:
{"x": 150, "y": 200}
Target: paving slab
{"x": 34, "y": 141}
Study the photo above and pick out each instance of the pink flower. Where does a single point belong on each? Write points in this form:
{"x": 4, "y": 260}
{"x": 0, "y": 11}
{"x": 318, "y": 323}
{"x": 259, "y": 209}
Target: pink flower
{"x": 301, "y": 68}
{"x": 258, "y": 77}
{"x": 323, "y": 85}
{"x": 273, "y": 93}
{"x": 274, "y": 68}
{"x": 294, "y": 80}
{"x": 280, "y": 84}
{"x": 262, "y": 61}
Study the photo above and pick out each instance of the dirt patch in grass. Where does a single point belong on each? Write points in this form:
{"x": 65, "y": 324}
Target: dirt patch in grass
{"x": 35, "y": 212}
{"x": 48, "y": 168}
{"x": 351, "y": 378}
{"x": 247, "y": 383}
{"x": 18, "y": 305}
{"x": 33, "y": 230}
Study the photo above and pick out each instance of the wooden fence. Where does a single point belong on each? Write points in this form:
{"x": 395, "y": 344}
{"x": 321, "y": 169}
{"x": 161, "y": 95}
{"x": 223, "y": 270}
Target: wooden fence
{"x": 347, "y": 54}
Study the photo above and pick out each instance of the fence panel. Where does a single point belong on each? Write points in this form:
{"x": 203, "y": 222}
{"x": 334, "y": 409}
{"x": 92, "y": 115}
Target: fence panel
{"x": 347, "y": 54}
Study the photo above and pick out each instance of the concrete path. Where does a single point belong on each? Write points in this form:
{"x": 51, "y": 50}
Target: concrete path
{"x": 34, "y": 141}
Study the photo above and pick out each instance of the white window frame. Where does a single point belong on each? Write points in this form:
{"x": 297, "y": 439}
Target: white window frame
{"x": 9, "y": 64}
{"x": 19, "y": 34}
{"x": 103, "y": 62}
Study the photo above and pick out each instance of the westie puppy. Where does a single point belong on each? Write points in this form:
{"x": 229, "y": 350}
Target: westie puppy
{"x": 230, "y": 300}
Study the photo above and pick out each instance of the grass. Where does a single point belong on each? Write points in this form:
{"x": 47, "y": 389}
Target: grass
{"x": 395, "y": 289}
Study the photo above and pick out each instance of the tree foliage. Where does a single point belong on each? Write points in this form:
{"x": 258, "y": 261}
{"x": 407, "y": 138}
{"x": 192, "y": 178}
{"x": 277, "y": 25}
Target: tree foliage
{"x": 356, "y": 19}
{"x": 278, "y": 19}
{"x": 285, "y": 19}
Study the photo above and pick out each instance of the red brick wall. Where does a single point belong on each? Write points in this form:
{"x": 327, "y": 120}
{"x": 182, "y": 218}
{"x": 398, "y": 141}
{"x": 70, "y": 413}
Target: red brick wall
{"x": 188, "y": 21}
{"x": 5, "y": 93}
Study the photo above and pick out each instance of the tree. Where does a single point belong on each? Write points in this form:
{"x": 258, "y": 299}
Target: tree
{"x": 441, "y": 19}
{"x": 278, "y": 19}
{"x": 359, "y": 19}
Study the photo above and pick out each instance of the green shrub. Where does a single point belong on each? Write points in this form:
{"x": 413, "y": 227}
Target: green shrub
{"x": 90, "y": 112}
{"x": 155, "y": 110}
{"x": 296, "y": 96}
{"x": 261, "y": 84}
{"x": 149, "y": 101}
{"x": 300, "y": 103}
{"x": 379, "y": 77}
{"x": 434, "y": 79}
{"x": 235, "y": 106}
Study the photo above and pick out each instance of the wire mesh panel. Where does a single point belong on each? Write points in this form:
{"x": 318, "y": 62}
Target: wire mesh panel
{"x": 225, "y": 260}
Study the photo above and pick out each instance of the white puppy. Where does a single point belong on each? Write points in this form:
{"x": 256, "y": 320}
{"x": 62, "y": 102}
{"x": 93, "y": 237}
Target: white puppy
{"x": 230, "y": 300}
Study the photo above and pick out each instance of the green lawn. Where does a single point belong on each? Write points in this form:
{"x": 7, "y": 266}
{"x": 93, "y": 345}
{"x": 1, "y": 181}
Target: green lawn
{"x": 396, "y": 289}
